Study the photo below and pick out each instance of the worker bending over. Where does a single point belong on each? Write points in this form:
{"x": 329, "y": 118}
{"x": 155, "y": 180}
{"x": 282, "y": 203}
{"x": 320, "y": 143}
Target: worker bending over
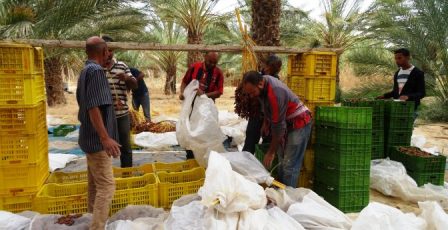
{"x": 286, "y": 118}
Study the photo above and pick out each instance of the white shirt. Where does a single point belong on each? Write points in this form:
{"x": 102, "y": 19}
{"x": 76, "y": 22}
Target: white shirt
{"x": 402, "y": 77}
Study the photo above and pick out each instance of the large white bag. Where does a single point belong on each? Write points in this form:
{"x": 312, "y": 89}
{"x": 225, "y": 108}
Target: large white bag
{"x": 313, "y": 212}
{"x": 234, "y": 192}
{"x": 434, "y": 215}
{"x": 156, "y": 141}
{"x": 378, "y": 216}
{"x": 12, "y": 221}
{"x": 198, "y": 127}
{"x": 390, "y": 178}
{"x": 187, "y": 217}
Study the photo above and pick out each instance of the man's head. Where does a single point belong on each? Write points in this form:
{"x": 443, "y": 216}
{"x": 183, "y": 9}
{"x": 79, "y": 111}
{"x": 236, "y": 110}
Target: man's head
{"x": 253, "y": 83}
{"x": 111, "y": 51}
{"x": 273, "y": 65}
{"x": 211, "y": 59}
{"x": 402, "y": 57}
{"x": 96, "y": 49}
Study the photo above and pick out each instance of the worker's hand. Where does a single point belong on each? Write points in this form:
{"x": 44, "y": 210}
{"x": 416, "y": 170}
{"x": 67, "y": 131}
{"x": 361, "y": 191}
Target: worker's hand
{"x": 199, "y": 92}
{"x": 181, "y": 97}
{"x": 122, "y": 76}
{"x": 268, "y": 159}
{"x": 111, "y": 147}
{"x": 404, "y": 98}
{"x": 381, "y": 97}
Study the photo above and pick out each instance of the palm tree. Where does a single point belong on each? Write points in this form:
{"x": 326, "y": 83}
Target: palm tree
{"x": 48, "y": 19}
{"x": 193, "y": 15}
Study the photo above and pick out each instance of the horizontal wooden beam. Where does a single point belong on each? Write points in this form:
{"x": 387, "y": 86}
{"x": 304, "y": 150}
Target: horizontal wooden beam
{"x": 164, "y": 47}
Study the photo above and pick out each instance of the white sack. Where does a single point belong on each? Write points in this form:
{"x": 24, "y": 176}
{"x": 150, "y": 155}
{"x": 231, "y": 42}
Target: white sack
{"x": 234, "y": 192}
{"x": 254, "y": 219}
{"x": 249, "y": 166}
{"x": 390, "y": 178}
{"x": 378, "y": 216}
{"x": 146, "y": 223}
{"x": 156, "y": 141}
{"x": 60, "y": 160}
{"x": 187, "y": 217}
{"x": 284, "y": 198}
{"x": 12, "y": 221}
{"x": 227, "y": 118}
{"x": 279, "y": 220}
{"x": 313, "y": 212}
{"x": 434, "y": 215}
{"x": 198, "y": 127}
{"x": 220, "y": 221}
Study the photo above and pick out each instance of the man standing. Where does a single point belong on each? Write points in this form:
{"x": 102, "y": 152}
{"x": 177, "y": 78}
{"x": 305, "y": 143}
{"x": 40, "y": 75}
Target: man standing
{"x": 98, "y": 131}
{"x": 210, "y": 77}
{"x": 286, "y": 118}
{"x": 272, "y": 67}
{"x": 120, "y": 81}
{"x": 409, "y": 81}
{"x": 140, "y": 96}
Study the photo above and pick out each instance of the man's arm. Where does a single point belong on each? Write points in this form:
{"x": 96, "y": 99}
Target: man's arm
{"x": 421, "y": 91}
{"x": 131, "y": 81}
{"x": 110, "y": 146}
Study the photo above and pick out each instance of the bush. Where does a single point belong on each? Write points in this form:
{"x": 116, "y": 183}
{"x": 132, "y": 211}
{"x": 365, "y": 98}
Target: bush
{"x": 436, "y": 111}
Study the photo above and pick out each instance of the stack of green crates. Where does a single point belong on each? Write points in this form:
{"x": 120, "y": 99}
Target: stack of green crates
{"x": 399, "y": 123}
{"x": 342, "y": 156}
{"x": 377, "y": 123}
{"x": 423, "y": 169}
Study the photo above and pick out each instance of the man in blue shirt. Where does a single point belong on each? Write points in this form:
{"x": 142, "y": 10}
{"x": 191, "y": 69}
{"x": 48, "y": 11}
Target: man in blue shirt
{"x": 98, "y": 134}
{"x": 140, "y": 96}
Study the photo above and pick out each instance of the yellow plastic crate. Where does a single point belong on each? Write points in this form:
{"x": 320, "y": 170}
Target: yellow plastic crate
{"x": 66, "y": 199}
{"x": 23, "y": 178}
{"x": 21, "y": 90}
{"x": 313, "y": 64}
{"x": 176, "y": 166}
{"x": 16, "y": 204}
{"x": 173, "y": 185}
{"x": 76, "y": 177}
{"x": 306, "y": 179}
{"x": 20, "y": 59}
{"x": 308, "y": 161}
{"x": 23, "y": 149}
{"x": 321, "y": 89}
{"x": 25, "y": 120}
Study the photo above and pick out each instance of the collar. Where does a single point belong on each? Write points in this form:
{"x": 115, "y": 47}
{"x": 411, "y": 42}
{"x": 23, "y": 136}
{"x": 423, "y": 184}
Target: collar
{"x": 90, "y": 61}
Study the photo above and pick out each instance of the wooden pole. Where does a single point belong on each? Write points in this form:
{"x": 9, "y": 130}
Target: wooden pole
{"x": 162, "y": 47}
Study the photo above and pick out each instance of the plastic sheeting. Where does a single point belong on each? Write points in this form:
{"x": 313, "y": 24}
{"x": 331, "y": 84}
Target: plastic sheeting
{"x": 12, "y": 221}
{"x": 234, "y": 192}
{"x": 434, "y": 215}
{"x": 187, "y": 217}
{"x": 59, "y": 160}
{"x": 378, "y": 216}
{"x": 390, "y": 178}
{"x": 156, "y": 141}
{"x": 198, "y": 126}
{"x": 45, "y": 222}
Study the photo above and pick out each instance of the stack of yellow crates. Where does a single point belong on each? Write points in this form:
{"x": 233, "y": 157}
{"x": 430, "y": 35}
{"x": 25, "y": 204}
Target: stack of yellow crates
{"x": 312, "y": 76}
{"x": 23, "y": 128}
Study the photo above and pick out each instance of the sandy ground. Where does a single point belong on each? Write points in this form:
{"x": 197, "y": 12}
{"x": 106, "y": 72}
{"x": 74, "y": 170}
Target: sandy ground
{"x": 169, "y": 106}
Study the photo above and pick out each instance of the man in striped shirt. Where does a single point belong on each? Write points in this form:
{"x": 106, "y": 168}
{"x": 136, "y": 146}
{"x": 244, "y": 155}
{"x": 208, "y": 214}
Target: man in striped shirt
{"x": 98, "y": 133}
{"x": 286, "y": 118}
{"x": 120, "y": 82}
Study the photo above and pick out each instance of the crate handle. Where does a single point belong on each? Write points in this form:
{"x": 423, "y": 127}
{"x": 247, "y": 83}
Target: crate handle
{"x": 16, "y": 190}
{"x": 15, "y": 162}
{"x": 12, "y": 102}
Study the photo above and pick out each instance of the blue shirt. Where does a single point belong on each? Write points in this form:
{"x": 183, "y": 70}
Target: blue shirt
{"x": 94, "y": 91}
{"x": 142, "y": 89}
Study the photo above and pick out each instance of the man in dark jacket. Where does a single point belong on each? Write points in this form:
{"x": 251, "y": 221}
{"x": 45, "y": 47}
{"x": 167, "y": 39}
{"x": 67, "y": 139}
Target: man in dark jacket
{"x": 409, "y": 81}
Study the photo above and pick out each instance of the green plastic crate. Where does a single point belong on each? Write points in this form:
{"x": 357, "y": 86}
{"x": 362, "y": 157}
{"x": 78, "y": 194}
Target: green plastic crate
{"x": 378, "y": 151}
{"x": 344, "y": 117}
{"x": 400, "y": 123}
{"x": 337, "y": 136}
{"x": 260, "y": 150}
{"x": 346, "y": 201}
{"x": 343, "y": 160}
{"x": 399, "y": 137}
{"x": 378, "y": 122}
{"x": 63, "y": 130}
{"x": 377, "y": 137}
{"x": 342, "y": 180}
{"x": 399, "y": 108}
{"x": 412, "y": 163}
{"x": 424, "y": 178}
{"x": 378, "y": 106}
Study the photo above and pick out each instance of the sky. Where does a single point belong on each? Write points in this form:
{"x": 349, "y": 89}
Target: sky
{"x": 316, "y": 10}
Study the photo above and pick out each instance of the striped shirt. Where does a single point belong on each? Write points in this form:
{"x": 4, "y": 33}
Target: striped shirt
{"x": 282, "y": 107}
{"x": 93, "y": 91}
{"x": 118, "y": 88}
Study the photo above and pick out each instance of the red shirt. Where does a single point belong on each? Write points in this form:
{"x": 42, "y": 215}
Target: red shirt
{"x": 207, "y": 83}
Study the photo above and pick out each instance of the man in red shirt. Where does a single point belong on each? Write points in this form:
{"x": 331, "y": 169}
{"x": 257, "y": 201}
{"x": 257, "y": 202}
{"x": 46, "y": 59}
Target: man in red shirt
{"x": 286, "y": 118}
{"x": 210, "y": 77}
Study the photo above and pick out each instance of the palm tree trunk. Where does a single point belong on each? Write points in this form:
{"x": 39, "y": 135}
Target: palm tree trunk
{"x": 265, "y": 25}
{"x": 54, "y": 82}
{"x": 194, "y": 56}
{"x": 170, "y": 82}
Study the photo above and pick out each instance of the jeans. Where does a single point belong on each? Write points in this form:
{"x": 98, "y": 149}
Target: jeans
{"x": 291, "y": 157}
{"x": 124, "y": 133}
{"x": 253, "y": 134}
{"x": 101, "y": 187}
{"x": 143, "y": 101}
